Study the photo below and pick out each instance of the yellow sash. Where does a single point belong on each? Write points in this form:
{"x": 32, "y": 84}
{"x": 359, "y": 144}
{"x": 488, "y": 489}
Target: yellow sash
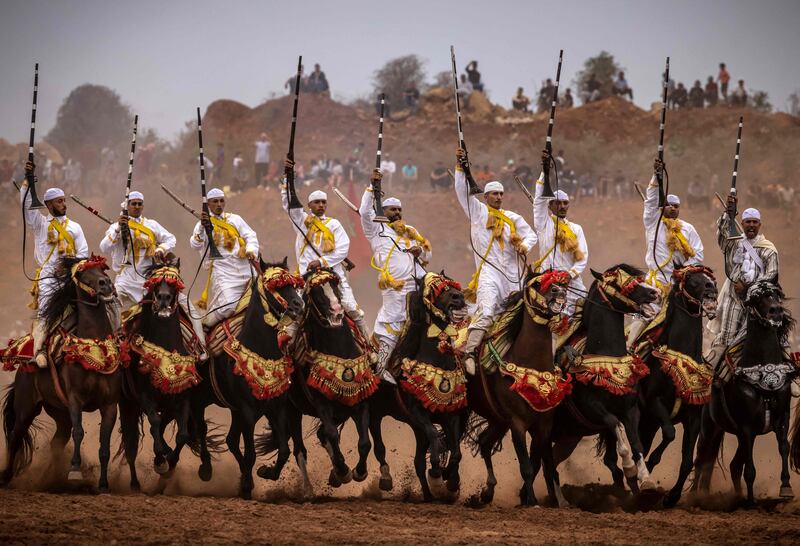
{"x": 566, "y": 240}
{"x": 226, "y": 235}
{"x": 676, "y": 240}
{"x": 315, "y": 227}
{"x": 148, "y": 242}
{"x": 60, "y": 239}
{"x": 497, "y": 220}
{"x": 410, "y": 234}
{"x": 385, "y": 279}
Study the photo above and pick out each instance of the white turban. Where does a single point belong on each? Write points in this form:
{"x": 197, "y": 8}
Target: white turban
{"x": 318, "y": 195}
{"x": 751, "y": 214}
{"x": 561, "y": 195}
{"x": 392, "y": 202}
{"x": 215, "y": 193}
{"x": 53, "y": 193}
{"x": 135, "y": 195}
{"x": 493, "y": 186}
{"x": 673, "y": 199}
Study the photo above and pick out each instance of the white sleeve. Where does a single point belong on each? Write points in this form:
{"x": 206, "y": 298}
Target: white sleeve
{"x": 164, "y": 238}
{"x": 248, "y": 234}
{"x": 579, "y": 266}
{"x": 477, "y": 211}
{"x": 541, "y": 214}
{"x": 367, "y": 213}
{"x": 695, "y": 242}
{"x": 81, "y": 246}
{"x": 342, "y": 246}
{"x": 198, "y": 239}
{"x": 651, "y": 212}
{"x": 110, "y": 239}
{"x": 524, "y": 230}
{"x": 32, "y": 217}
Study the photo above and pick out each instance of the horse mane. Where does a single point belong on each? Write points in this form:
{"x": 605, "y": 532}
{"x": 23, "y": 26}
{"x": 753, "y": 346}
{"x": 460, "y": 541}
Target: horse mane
{"x": 64, "y": 293}
{"x": 406, "y": 344}
{"x": 629, "y": 269}
{"x": 757, "y": 291}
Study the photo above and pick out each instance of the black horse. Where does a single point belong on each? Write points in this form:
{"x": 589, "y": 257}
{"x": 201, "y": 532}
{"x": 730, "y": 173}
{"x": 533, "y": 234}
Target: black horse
{"x": 757, "y": 399}
{"x": 162, "y": 369}
{"x": 605, "y": 378}
{"x": 679, "y": 383}
{"x": 432, "y": 388}
{"x": 333, "y": 378}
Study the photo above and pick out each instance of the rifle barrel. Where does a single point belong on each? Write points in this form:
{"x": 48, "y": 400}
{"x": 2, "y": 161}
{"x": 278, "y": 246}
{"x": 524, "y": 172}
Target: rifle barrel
{"x": 91, "y": 209}
{"x": 473, "y": 186}
{"x": 547, "y": 190}
{"x": 377, "y": 194}
{"x": 662, "y": 125}
{"x": 126, "y": 232}
{"x": 732, "y": 230}
{"x": 212, "y": 247}
{"x": 291, "y": 191}
{"x": 35, "y": 202}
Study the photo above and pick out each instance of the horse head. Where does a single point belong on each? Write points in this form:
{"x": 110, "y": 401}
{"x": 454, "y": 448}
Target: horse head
{"x": 91, "y": 280}
{"x": 163, "y": 285}
{"x": 764, "y": 302}
{"x": 622, "y": 288}
{"x": 697, "y": 285}
{"x": 323, "y": 298}
{"x": 279, "y": 289}
{"x": 546, "y": 293}
{"x": 443, "y": 297}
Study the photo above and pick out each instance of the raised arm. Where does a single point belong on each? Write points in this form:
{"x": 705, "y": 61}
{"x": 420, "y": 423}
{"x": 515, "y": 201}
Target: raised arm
{"x": 110, "y": 240}
{"x": 474, "y": 209}
{"x": 367, "y": 212}
{"x": 651, "y": 212}
{"x": 32, "y": 217}
{"x": 541, "y": 214}
{"x": 529, "y": 238}
{"x": 298, "y": 216}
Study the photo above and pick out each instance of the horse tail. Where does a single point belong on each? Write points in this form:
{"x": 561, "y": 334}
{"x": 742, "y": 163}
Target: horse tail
{"x": 131, "y": 425}
{"x": 266, "y": 442}
{"x": 215, "y": 441}
{"x": 476, "y": 426}
{"x": 794, "y": 449}
{"x": 601, "y": 445}
{"x": 24, "y": 456}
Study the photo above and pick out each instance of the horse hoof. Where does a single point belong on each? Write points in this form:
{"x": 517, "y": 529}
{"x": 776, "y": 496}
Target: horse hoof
{"x": 437, "y": 485}
{"x": 671, "y": 499}
{"x": 786, "y": 492}
{"x": 359, "y": 477}
{"x": 333, "y": 479}
{"x": 136, "y": 488}
{"x": 205, "y": 472}
{"x": 161, "y": 468}
{"x": 453, "y": 485}
{"x": 75, "y": 476}
{"x": 487, "y": 495}
{"x": 246, "y": 495}
{"x": 386, "y": 484}
{"x": 647, "y": 485}
{"x": 266, "y": 472}
{"x": 102, "y": 488}
{"x": 347, "y": 477}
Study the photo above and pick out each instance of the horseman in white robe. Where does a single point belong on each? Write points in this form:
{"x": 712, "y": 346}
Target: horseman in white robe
{"x": 54, "y": 237}
{"x": 501, "y": 241}
{"x": 749, "y": 259}
{"x": 399, "y": 254}
{"x": 228, "y": 275}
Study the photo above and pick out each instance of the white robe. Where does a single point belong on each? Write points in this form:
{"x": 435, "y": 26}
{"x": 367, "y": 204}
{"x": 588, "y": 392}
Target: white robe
{"x": 553, "y": 257}
{"x": 230, "y": 273}
{"x": 334, "y": 259}
{"x": 45, "y": 253}
{"x": 665, "y": 258}
{"x": 129, "y": 281}
{"x": 493, "y": 286}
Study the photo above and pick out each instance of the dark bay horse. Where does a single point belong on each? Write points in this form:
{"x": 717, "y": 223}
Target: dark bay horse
{"x": 679, "y": 383}
{"x": 83, "y": 371}
{"x": 605, "y": 377}
{"x": 432, "y": 389}
{"x": 526, "y": 387}
{"x": 333, "y": 378}
{"x": 757, "y": 398}
{"x": 162, "y": 368}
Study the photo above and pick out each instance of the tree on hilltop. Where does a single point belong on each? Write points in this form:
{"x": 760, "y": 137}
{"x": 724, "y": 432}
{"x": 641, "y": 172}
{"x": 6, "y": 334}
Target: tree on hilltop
{"x": 395, "y": 77}
{"x": 759, "y": 101}
{"x": 604, "y": 68}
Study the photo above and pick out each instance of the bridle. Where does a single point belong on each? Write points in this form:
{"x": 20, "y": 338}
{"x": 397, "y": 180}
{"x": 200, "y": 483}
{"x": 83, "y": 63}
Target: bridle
{"x": 681, "y": 276}
{"x": 619, "y": 284}
{"x": 752, "y": 309}
{"x": 270, "y": 281}
{"x": 320, "y": 277}
{"x": 433, "y": 286}
{"x": 536, "y": 302}
{"x": 95, "y": 262}
{"x": 168, "y": 274}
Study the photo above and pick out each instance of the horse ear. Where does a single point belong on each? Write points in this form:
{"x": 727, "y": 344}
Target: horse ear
{"x": 596, "y": 275}
{"x": 261, "y": 262}
{"x": 178, "y": 264}
{"x": 285, "y": 262}
{"x": 442, "y": 273}
{"x": 530, "y": 271}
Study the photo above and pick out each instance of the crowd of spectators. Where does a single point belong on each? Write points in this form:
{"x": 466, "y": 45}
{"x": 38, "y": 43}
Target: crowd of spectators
{"x": 315, "y": 83}
{"x": 715, "y": 91}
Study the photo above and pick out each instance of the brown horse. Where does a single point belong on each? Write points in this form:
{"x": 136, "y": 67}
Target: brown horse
{"x": 83, "y": 373}
{"x": 522, "y": 394}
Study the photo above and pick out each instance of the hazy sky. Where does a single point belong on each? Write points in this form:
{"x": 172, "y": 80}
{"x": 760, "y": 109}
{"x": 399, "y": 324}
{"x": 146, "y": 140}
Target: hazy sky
{"x": 166, "y": 57}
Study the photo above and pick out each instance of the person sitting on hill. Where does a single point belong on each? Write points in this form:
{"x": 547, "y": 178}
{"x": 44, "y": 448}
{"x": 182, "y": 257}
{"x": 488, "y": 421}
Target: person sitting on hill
{"x": 711, "y": 92}
{"x": 591, "y": 90}
{"x": 621, "y": 86}
{"x": 520, "y": 102}
{"x": 739, "y": 95}
{"x": 696, "y": 95}
{"x": 679, "y": 98}
{"x": 546, "y": 96}
{"x": 567, "y": 100}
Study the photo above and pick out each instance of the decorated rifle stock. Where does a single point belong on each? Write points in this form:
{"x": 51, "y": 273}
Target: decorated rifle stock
{"x": 547, "y": 190}
{"x": 473, "y": 187}
{"x": 212, "y": 247}
{"x": 35, "y": 202}
{"x": 732, "y": 229}
{"x": 377, "y": 193}
{"x": 291, "y": 192}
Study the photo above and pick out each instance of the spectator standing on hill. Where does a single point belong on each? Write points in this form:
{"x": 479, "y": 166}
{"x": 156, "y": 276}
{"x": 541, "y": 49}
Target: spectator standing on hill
{"x": 289, "y": 85}
{"x": 465, "y": 89}
{"x": 696, "y": 95}
{"x": 680, "y": 98}
{"x": 220, "y": 161}
{"x": 317, "y": 82}
{"x": 621, "y": 86}
{"x": 591, "y": 91}
{"x": 739, "y": 95}
{"x": 410, "y": 175}
{"x": 712, "y": 92}
{"x": 239, "y": 173}
{"x": 545, "y": 96}
{"x": 261, "y": 160}
{"x": 723, "y": 78}
{"x": 474, "y": 76}
{"x": 567, "y": 100}
{"x": 439, "y": 177}
{"x": 520, "y": 102}
{"x": 388, "y": 168}
{"x": 411, "y": 96}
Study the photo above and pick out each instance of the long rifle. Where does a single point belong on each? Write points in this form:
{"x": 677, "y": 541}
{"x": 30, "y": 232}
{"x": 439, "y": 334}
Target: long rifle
{"x": 473, "y": 187}
{"x": 91, "y": 209}
{"x": 126, "y": 231}
{"x": 181, "y": 202}
{"x": 547, "y": 190}
{"x": 725, "y": 209}
{"x": 659, "y": 174}
{"x": 212, "y": 247}
{"x": 732, "y": 230}
{"x": 377, "y": 193}
{"x": 35, "y": 202}
{"x": 291, "y": 192}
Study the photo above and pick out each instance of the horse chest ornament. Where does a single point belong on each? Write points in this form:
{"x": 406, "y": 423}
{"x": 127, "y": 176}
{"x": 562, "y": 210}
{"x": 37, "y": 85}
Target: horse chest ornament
{"x": 767, "y": 377}
{"x": 692, "y": 379}
{"x": 267, "y": 378}
{"x": 344, "y": 380}
{"x": 616, "y": 374}
{"x": 435, "y": 388}
{"x": 97, "y": 355}
{"x": 169, "y": 371}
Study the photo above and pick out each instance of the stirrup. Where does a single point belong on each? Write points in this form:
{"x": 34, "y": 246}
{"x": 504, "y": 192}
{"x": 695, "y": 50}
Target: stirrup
{"x": 40, "y": 360}
{"x": 469, "y": 364}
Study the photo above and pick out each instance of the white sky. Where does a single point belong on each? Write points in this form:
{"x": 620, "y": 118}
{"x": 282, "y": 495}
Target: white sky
{"x": 166, "y": 57}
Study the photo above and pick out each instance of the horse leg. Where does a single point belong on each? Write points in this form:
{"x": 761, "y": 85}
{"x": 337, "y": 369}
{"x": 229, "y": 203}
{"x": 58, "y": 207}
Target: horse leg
{"x": 519, "y": 436}
{"x": 160, "y": 449}
{"x": 542, "y": 449}
{"x": 76, "y": 416}
{"x": 233, "y": 436}
{"x": 183, "y": 436}
{"x": 329, "y": 435}
{"x": 129, "y": 422}
{"x": 708, "y": 444}
{"x": 198, "y": 412}
{"x": 667, "y": 433}
{"x": 420, "y": 464}
{"x": 276, "y": 415}
{"x": 19, "y": 412}
{"x": 691, "y": 429}
{"x": 248, "y": 426}
{"x": 361, "y": 420}
{"x": 108, "y": 417}
{"x": 737, "y": 468}
{"x": 630, "y": 426}
{"x": 782, "y": 435}
{"x": 61, "y": 435}
{"x": 453, "y": 430}
{"x": 295, "y": 419}
{"x": 385, "y": 483}
{"x": 610, "y": 457}
{"x": 749, "y": 439}
{"x": 435, "y": 473}
{"x": 487, "y": 439}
